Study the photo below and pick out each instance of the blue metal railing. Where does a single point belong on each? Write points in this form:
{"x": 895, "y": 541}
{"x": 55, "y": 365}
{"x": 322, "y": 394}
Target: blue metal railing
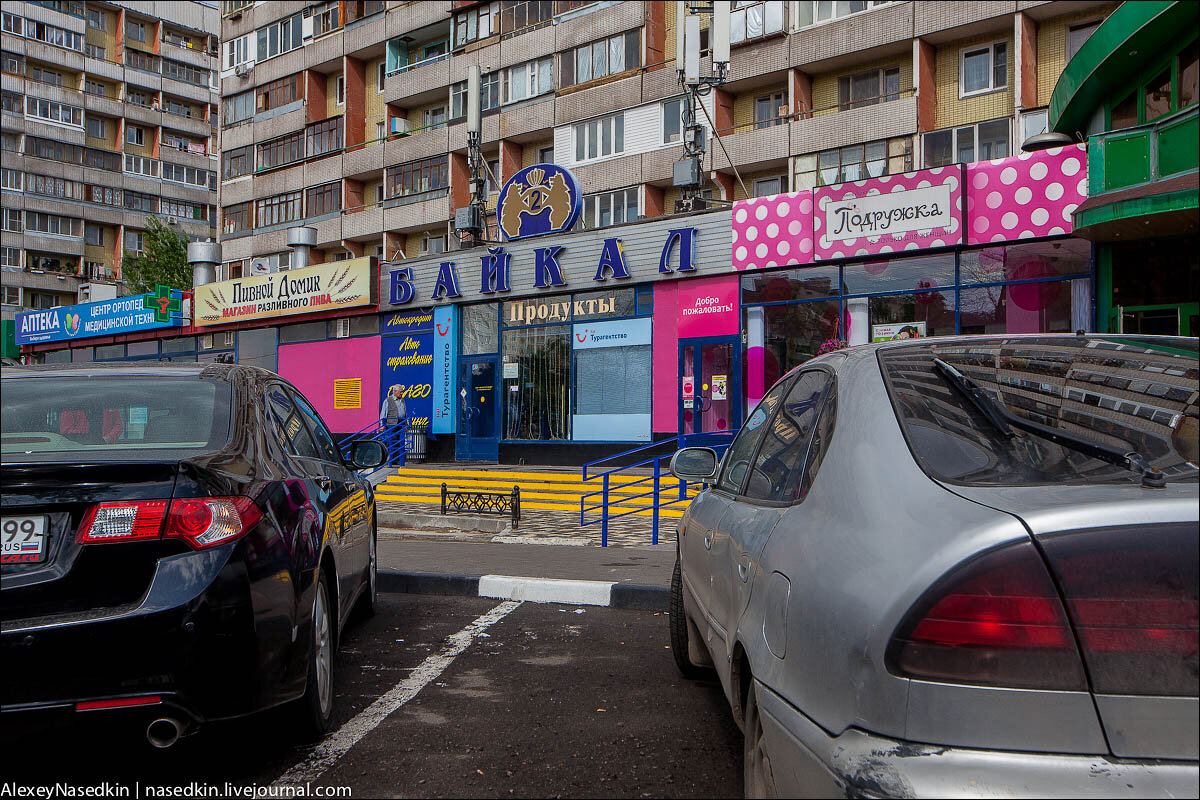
{"x": 718, "y": 441}
{"x": 391, "y": 433}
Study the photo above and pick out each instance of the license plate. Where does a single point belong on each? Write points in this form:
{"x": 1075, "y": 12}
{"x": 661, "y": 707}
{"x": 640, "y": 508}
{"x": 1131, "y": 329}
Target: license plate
{"x": 22, "y": 540}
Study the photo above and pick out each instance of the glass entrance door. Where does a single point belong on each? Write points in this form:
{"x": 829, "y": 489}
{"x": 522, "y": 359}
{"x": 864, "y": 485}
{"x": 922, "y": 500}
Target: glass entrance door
{"x": 710, "y": 385}
{"x": 478, "y": 436}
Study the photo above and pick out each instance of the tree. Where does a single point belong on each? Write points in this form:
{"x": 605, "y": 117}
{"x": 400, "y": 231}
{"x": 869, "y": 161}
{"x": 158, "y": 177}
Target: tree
{"x": 163, "y": 260}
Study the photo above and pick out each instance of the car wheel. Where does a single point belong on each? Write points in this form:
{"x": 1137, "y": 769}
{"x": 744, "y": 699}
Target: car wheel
{"x": 315, "y": 708}
{"x": 679, "y": 629}
{"x": 757, "y": 780}
{"x": 370, "y": 599}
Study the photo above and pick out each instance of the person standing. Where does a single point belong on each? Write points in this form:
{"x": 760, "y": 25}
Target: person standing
{"x": 393, "y": 409}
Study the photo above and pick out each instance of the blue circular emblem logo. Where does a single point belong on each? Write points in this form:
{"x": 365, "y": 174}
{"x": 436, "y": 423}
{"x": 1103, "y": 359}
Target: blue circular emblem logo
{"x": 541, "y": 199}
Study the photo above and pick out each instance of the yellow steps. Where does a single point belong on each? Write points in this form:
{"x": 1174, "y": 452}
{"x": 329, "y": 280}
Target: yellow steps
{"x": 670, "y": 511}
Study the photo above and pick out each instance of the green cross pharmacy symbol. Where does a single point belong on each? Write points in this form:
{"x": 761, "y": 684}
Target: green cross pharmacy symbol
{"x": 162, "y": 303}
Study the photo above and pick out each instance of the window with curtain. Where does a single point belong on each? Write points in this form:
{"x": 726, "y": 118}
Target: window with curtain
{"x": 536, "y": 402}
{"x": 982, "y": 69}
{"x": 868, "y": 88}
{"x": 613, "y": 380}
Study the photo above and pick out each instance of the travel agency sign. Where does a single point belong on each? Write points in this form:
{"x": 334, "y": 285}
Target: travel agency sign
{"x": 324, "y": 287}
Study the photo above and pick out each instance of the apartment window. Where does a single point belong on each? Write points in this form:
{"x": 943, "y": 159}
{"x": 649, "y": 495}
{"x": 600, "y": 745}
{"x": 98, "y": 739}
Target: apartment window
{"x": 600, "y": 138}
{"x": 135, "y": 30}
{"x": 527, "y": 80}
{"x": 104, "y": 195}
{"x": 237, "y": 162}
{"x": 435, "y": 118}
{"x": 770, "y": 110}
{"x": 672, "y": 120}
{"x": 185, "y": 72}
{"x": 380, "y": 76}
{"x": 177, "y": 38}
{"x": 278, "y": 209}
{"x": 237, "y": 218}
{"x": 379, "y": 192}
{"x": 478, "y": 23}
{"x": 53, "y": 224}
{"x": 97, "y": 127}
{"x": 229, "y": 7}
{"x": 44, "y": 75}
{"x": 47, "y": 186}
{"x": 95, "y": 51}
{"x": 493, "y": 180}
{"x": 10, "y": 257}
{"x": 10, "y": 179}
{"x": 135, "y": 135}
{"x": 324, "y": 137}
{"x": 750, "y": 20}
{"x": 283, "y": 150}
{"x": 12, "y": 220}
{"x": 238, "y": 108}
{"x": 185, "y": 209}
{"x": 141, "y": 165}
{"x": 93, "y": 235}
{"x": 135, "y": 242}
{"x": 489, "y": 95}
{"x": 38, "y": 147}
{"x": 764, "y": 187}
{"x": 605, "y": 57}
{"x": 138, "y": 201}
{"x": 95, "y": 87}
{"x": 14, "y": 103}
{"x": 51, "y": 111}
{"x": 433, "y": 244}
{"x": 982, "y": 69}
{"x": 339, "y": 89}
{"x": 14, "y": 63}
{"x": 1188, "y": 66}
{"x": 868, "y": 88}
{"x": 968, "y": 143}
{"x": 326, "y": 18}
{"x": 146, "y": 62}
{"x": 610, "y": 208}
{"x": 279, "y": 93}
{"x": 516, "y": 15}
{"x": 11, "y": 23}
{"x": 1078, "y": 34}
{"x": 177, "y": 173}
{"x": 1033, "y": 123}
{"x": 12, "y": 294}
{"x": 281, "y": 36}
{"x": 380, "y": 130}
{"x": 96, "y": 19}
{"x": 416, "y": 177}
{"x": 178, "y": 109}
{"x": 324, "y": 199}
{"x": 853, "y": 163}
{"x": 94, "y": 269}
{"x": 138, "y": 98}
{"x": 237, "y": 51}
{"x": 545, "y": 155}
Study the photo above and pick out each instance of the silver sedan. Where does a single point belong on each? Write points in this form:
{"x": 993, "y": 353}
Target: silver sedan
{"x": 962, "y": 566}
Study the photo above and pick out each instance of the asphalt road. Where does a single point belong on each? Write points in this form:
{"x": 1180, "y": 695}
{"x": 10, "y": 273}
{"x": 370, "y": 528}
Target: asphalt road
{"x": 543, "y": 701}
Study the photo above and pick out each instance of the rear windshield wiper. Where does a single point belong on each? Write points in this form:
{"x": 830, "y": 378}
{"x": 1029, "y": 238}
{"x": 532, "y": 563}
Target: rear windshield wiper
{"x": 1004, "y": 420}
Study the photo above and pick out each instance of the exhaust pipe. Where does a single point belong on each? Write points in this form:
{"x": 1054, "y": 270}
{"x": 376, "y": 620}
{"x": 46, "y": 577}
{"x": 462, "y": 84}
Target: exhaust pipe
{"x": 164, "y": 732}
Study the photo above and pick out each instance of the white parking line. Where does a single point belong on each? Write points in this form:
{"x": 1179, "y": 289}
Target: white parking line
{"x": 326, "y": 754}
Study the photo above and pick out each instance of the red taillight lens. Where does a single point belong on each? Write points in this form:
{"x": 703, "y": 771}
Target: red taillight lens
{"x": 201, "y": 522}
{"x": 996, "y": 621}
{"x": 123, "y": 522}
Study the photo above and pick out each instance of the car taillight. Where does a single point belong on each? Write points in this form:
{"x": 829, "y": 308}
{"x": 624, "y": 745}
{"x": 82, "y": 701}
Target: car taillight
{"x": 202, "y": 522}
{"x": 995, "y": 621}
{"x": 1133, "y": 596}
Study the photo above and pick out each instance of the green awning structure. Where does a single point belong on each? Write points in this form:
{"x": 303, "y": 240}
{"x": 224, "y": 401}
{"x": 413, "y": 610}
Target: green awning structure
{"x": 1134, "y": 35}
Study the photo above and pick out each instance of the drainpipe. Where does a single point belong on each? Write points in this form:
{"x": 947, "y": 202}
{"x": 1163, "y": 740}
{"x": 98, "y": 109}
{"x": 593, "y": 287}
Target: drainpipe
{"x": 301, "y": 239}
{"x": 204, "y": 258}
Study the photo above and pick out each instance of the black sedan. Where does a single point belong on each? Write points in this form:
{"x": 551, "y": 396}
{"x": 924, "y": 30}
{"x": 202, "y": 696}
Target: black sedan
{"x": 180, "y": 544}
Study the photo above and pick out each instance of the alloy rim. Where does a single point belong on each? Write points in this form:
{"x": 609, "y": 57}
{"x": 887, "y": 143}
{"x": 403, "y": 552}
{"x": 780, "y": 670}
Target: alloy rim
{"x": 324, "y": 654}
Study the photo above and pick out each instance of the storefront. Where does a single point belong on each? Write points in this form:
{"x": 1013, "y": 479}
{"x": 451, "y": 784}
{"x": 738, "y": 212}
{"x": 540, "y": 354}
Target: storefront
{"x": 92, "y": 331}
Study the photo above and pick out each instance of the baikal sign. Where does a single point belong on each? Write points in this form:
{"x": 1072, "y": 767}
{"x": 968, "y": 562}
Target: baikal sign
{"x": 324, "y": 287}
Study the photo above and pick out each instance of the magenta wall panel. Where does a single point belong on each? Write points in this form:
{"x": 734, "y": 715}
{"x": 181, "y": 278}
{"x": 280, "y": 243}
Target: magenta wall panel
{"x": 1025, "y": 196}
{"x": 312, "y": 367}
{"x": 774, "y": 231}
{"x": 664, "y": 399}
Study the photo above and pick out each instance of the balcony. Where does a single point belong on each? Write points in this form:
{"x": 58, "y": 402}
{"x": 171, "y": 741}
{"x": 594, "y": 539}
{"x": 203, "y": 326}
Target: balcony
{"x": 752, "y": 146}
{"x": 421, "y": 143}
{"x": 419, "y": 82}
{"x": 1143, "y": 180}
{"x": 854, "y": 125}
{"x": 417, "y": 211}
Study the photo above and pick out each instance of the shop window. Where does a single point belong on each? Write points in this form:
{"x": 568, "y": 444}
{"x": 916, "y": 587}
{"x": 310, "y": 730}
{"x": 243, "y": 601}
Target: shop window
{"x": 612, "y": 380}
{"x": 868, "y": 88}
{"x": 182, "y": 344}
{"x": 982, "y": 69}
{"x": 539, "y": 409}
{"x": 1124, "y": 114}
{"x": 362, "y": 325}
{"x": 257, "y": 348}
{"x": 1077, "y": 35}
{"x": 1158, "y": 96}
{"x": 901, "y": 316}
{"x": 1044, "y": 307}
{"x": 770, "y": 110}
{"x": 479, "y": 329}
{"x": 588, "y": 306}
{"x": 1019, "y": 262}
{"x": 141, "y": 349}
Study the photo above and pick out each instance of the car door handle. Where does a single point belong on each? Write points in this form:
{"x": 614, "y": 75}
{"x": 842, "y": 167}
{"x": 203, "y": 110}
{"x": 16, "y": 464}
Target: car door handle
{"x": 744, "y": 568}
{"x": 708, "y": 539}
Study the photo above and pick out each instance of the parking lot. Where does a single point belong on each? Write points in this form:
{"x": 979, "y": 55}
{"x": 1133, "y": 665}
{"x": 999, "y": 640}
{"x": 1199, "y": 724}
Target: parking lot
{"x": 543, "y": 700}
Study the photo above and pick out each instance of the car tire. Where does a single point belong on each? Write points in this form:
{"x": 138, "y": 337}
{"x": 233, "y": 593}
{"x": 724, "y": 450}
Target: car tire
{"x": 369, "y": 603}
{"x": 314, "y": 711}
{"x": 757, "y": 779}
{"x": 679, "y": 629}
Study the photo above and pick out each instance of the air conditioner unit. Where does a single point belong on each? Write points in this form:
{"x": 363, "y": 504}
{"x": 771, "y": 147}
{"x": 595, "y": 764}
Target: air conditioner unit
{"x": 342, "y": 330}
{"x": 242, "y": 70}
{"x": 401, "y": 126}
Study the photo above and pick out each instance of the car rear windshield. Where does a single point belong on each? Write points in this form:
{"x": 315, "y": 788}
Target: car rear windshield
{"x": 112, "y": 418}
{"x": 1137, "y": 395}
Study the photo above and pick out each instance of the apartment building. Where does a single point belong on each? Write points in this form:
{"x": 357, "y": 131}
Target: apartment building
{"x": 109, "y": 116}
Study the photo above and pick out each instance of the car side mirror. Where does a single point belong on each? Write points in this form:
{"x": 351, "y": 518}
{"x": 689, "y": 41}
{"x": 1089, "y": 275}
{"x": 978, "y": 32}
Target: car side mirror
{"x": 694, "y": 463}
{"x": 367, "y": 454}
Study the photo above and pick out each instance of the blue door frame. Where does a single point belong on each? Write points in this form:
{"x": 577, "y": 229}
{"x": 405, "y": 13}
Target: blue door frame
{"x": 703, "y": 396}
{"x": 478, "y": 429}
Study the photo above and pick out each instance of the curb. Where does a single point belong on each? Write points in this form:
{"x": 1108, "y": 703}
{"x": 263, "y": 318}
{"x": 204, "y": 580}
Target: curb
{"x": 535, "y": 590}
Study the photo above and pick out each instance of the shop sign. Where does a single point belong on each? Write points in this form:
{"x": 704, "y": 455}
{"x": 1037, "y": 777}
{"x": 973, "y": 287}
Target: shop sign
{"x": 165, "y": 308}
{"x": 533, "y": 312}
{"x": 689, "y": 390}
{"x": 922, "y": 209}
{"x": 898, "y": 330}
{"x": 336, "y": 285}
{"x": 408, "y": 322}
{"x": 538, "y": 200}
{"x": 445, "y": 351}
{"x": 720, "y": 385}
{"x": 618, "y": 333}
{"x": 708, "y": 307}
{"x": 406, "y": 367}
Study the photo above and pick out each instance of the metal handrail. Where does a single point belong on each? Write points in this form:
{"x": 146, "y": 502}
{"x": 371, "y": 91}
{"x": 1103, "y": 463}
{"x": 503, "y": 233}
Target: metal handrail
{"x": 389, "y": 432}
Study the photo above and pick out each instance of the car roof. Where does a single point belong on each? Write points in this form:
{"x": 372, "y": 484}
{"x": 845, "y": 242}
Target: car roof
{"x": 206, "y": 371}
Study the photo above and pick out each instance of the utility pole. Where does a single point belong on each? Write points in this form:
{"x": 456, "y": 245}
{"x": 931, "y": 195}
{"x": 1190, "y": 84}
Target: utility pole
{"x": 687, "y": 176}
{"x": 469, "y": 219}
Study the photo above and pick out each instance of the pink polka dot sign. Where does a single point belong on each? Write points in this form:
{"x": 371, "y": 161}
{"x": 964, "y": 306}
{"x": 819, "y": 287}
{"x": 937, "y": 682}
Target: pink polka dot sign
{"x": 1027, "y": 195}
{"x": 910, "y": 211}
{"x": 774, "y": 231}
